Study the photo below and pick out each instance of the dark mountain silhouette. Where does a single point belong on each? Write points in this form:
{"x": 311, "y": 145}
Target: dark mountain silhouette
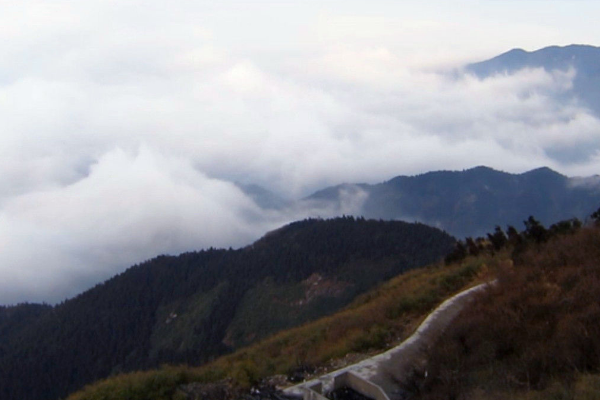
{"x": 471, "y": 202}
{"x": 196, "y": 306}
{"x": 584, "y": 59}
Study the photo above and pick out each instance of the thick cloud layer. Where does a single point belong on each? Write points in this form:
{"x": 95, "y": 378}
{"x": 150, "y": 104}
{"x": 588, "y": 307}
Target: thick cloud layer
{"x": 125, "y": 124}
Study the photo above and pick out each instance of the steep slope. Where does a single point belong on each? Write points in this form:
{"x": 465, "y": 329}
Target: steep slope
{"x": 387, "y": 369}
{"x": 196, "y": 306}
{"x": 534, "y": 335}
{"x": 470, "y": 202}
{"x": 377, "y": 320}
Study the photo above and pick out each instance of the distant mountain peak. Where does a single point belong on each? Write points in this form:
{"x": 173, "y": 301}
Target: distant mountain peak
{"x": 584, "y": 58}
{"x": 514, "y": 52}
{"x": 542, "y": 170}
{"x": 567, "y": 49}
{"x": 550, "y": 57}
{"x": 483, "y": 168}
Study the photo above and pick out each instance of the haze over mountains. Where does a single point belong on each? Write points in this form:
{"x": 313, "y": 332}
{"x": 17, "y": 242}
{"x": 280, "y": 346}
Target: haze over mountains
{"x": 582, "y": 62}
{"x": 577, "y": 70}
{"x": 150, "y": 130}
{"x": 91, "y": 205}
{"x": 472, "y": 202}
{"x": 128, "y": 206}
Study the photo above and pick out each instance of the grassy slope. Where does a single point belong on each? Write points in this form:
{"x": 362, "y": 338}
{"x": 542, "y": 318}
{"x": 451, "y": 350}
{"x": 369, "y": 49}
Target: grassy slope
{"x": 375, "y": 321}
{"x": 536, "y": 335}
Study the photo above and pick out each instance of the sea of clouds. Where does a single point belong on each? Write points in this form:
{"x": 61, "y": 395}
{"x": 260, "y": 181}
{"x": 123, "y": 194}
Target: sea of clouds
{"x": 125, "y": 126}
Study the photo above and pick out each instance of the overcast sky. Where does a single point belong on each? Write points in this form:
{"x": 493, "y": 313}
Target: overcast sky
{"x": 125, "y": 122}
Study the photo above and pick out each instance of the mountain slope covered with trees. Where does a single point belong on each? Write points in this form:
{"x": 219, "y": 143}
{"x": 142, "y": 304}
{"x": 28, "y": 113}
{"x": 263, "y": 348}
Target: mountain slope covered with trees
{"x": 196, "y": 306}
{"x": 531, "y": 335}
{"x": 470, "y": 202}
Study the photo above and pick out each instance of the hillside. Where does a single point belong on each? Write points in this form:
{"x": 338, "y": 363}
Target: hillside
{"x": 532, "y": 335}
{"x": 377, "y": 320}
{"x": 471, "y": 202}
{"x": 196, "y": 306}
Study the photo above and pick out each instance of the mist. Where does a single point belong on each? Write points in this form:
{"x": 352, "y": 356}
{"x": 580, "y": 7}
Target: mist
{"x": 128, "y": 128}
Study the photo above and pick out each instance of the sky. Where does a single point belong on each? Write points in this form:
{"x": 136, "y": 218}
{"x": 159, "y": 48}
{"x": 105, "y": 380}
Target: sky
{"x": 125, "y": 125}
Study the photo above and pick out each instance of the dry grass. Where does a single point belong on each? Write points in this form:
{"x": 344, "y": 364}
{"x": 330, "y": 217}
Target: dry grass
{"x": 374, "y": 321}
{"x": 535, "y": 332}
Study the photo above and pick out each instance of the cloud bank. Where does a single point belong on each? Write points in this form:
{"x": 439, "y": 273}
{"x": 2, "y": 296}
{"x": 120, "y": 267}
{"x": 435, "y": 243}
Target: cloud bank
{"x": 125, "y": 125}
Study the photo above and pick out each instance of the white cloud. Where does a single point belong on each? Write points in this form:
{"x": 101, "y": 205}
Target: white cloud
{"x": 124, "y": 123}
{"x": 129, "y": 208}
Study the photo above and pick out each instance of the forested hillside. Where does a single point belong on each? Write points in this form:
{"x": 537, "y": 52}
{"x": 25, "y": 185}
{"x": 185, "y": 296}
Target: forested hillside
{"x": 531, "y": 335}
{"x": 193, "y": 307}
{"x": 470, "y": 202}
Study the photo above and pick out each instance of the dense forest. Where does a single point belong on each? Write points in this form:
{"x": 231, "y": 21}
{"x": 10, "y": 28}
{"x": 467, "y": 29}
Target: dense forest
{"x": 193, "y": 307}
{"x": 531, "y": 335}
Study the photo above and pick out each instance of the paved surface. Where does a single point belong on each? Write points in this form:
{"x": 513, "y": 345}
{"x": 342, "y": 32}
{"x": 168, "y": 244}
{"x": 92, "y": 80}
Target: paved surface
{"x": 387, "y": 368}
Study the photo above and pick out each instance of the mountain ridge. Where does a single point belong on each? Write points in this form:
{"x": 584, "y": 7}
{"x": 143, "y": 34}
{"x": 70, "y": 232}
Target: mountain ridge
{"x": 585, "y": 59}
{"x": 470, "y": 202}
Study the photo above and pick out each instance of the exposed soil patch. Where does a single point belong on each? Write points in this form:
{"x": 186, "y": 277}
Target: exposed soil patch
{"x": 318, "y": 286}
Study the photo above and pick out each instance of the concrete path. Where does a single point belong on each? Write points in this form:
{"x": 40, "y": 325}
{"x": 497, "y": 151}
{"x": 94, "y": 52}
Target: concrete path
{"x": 390, "y": 367}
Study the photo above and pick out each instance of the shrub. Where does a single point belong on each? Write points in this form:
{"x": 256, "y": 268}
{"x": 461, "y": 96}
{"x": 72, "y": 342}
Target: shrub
{"x": 536, "y": 330}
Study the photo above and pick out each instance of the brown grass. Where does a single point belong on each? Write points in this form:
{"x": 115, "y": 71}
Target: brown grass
{"x": 373, "y": 322}
{"x": 537, "y": 331}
